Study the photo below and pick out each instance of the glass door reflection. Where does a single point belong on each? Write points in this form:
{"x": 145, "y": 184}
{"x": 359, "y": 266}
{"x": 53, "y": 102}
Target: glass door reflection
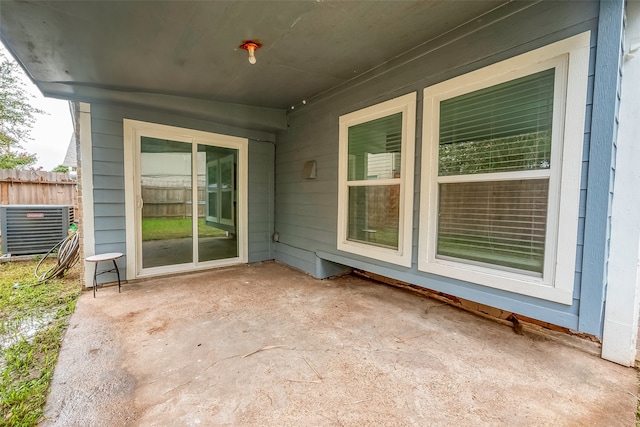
{"x": 217, "y": 191}
{"x": 166, "y": 190}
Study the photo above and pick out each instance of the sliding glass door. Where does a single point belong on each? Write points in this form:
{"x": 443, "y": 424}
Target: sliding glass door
{"x": 188, "y": 208}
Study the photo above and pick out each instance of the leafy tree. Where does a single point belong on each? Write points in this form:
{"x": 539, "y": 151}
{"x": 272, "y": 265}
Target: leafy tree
{"x": 17, "y": 117}
{"x": 17, "y": 160}
{"x": 60, "y": 168}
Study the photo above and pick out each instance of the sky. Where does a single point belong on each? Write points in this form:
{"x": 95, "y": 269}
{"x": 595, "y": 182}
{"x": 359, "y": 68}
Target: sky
{"x": 52, "y": 131}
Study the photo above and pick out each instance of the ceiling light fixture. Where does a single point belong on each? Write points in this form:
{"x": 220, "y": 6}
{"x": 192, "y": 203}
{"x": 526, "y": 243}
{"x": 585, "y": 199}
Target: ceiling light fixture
{"x": 251, "y": 46}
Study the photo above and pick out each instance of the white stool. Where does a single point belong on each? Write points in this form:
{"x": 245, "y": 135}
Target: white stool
{"x": 113, "y": 256}
{"x": 369, "y": 233}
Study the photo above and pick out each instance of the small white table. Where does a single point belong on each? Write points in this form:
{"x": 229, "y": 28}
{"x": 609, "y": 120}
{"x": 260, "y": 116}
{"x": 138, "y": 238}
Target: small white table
{"x": 112, "y": 256}
{"x": 370, "y": 233}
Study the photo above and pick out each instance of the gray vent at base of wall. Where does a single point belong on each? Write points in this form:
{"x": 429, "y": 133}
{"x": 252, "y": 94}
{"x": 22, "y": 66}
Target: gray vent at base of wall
{"x": 33, "y": 229}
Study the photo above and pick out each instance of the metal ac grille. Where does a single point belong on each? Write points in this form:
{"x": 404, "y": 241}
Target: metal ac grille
{"x": 33, "y": 229}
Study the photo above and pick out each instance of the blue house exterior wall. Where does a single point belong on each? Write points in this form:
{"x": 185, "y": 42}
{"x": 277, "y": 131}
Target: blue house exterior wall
{"x": 306, "y": 210}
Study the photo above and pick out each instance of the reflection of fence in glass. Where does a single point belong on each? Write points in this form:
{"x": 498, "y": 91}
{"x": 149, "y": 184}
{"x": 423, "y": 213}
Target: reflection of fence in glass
{"x": 170, "y": 197}
{"x": 374, "y": 213}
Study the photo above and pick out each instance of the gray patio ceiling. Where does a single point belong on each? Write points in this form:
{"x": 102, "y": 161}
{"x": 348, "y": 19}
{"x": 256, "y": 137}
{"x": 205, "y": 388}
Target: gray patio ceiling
{"x": 185, "y": 55}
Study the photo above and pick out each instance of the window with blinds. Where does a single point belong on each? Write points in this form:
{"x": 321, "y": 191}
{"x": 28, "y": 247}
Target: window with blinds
{"x": 375, "y": 180}
{"x": 500, "y": 172}
{"x": 504, "y": 128}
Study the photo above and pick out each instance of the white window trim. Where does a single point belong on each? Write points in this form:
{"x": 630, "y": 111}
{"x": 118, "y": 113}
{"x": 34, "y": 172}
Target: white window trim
{"x": 86, "y": 162}
{"x": 406, "y": 105}
{"x": 571, "y": 56}
{"x": 133, "y": 130}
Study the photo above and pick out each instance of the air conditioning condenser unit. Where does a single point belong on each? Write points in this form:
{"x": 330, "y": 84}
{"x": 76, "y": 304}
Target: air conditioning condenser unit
{"x": 33, "y": 229}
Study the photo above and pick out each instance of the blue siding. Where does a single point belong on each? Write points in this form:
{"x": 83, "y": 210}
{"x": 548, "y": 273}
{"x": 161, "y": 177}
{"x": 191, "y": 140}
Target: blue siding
{"x": 261, "y": 203}
{"x": 108, "y": 194}
{"x": 306, "y": 210}
{"x": 601, "y": 170}
{"x": 108, "y": 178}
{"x": 295, "y": 257}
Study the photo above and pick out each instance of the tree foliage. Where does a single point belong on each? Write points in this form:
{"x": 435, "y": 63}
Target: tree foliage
{"x": 60, "y": 168}
{"x": 17, "y": 160}
{"x": 17, "y": 117}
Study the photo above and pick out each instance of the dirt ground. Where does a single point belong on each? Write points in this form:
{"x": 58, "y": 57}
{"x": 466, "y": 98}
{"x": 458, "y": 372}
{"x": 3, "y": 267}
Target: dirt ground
{"x": 267, "y": 345}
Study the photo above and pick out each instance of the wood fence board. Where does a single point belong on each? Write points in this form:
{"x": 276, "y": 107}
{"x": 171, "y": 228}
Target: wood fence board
{"x": 19, "y": 187}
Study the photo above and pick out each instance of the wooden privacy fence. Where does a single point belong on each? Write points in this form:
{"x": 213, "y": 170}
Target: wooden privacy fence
{"x": 170, "y": 196}
{"x": 170, "y": 202}
{"x": 38, "y": 188}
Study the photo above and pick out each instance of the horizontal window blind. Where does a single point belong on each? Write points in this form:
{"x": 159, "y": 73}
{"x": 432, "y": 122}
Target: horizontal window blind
{"x": 500, "y": 223}
{"x": 506, "y": 127}
{"x": 371, "y": 146}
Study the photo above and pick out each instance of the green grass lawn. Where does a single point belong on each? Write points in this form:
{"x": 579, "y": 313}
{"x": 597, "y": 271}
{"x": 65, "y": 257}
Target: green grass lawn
{"x": 175, "y": 228}
{"x": 33, "y": 321}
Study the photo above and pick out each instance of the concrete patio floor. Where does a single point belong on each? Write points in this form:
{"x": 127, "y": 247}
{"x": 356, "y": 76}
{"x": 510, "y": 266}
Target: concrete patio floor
{"x": 267, "y": 345}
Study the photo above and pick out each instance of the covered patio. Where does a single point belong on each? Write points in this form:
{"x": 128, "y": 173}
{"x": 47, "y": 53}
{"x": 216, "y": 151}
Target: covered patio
{"x": 412, "y": 107}
{"x": 263, "y": 344}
